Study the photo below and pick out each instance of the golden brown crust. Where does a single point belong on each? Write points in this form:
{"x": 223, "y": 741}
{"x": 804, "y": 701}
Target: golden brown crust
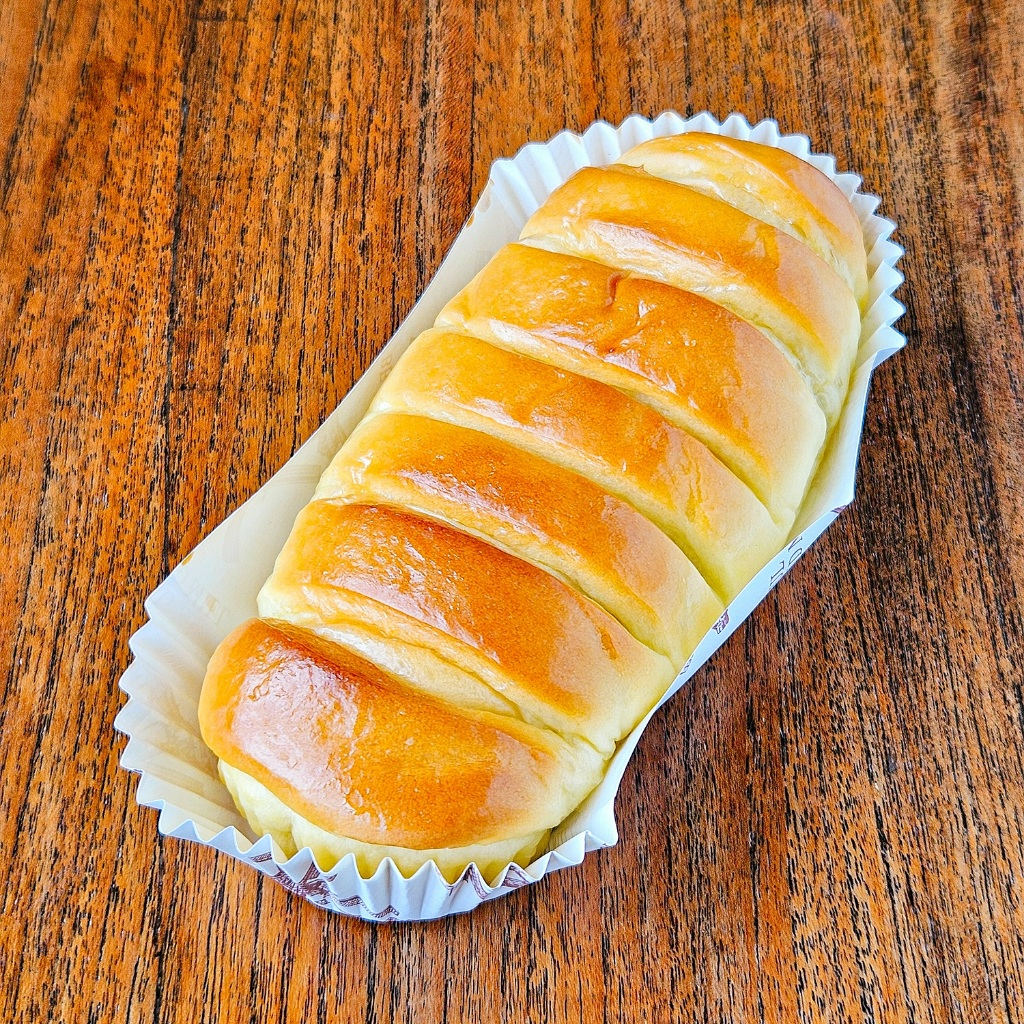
{"x": 696, "y": 363}
{"x": 302, "y": 717}
{"x": 601, "y": 433}
{"x": 551, "y": 653}
{"x": 769, "y": 184}
{"x": 537, "y": 511}
{"x": 635, "y": 222}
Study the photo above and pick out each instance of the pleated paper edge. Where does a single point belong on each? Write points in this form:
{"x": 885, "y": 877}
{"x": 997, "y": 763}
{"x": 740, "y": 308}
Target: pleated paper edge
{"x": 168, "y": 651}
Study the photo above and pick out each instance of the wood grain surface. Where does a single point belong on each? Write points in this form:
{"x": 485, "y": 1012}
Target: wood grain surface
{"x": 214, "y": 213}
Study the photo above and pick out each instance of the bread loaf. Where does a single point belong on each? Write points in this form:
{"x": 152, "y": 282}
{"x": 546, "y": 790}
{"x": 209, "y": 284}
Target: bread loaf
{"x": 552, "y": 498}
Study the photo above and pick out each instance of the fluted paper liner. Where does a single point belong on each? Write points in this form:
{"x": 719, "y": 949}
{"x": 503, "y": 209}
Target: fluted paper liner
{"x": 214, "y": 588}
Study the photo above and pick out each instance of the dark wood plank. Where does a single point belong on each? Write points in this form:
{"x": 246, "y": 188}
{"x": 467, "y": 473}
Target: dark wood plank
{"x": 212, "y": 215}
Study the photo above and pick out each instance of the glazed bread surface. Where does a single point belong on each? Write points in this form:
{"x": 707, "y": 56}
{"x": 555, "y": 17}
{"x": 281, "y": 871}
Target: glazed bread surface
{"x": 598, "y": 431}
{"x": 535, "y": 510}
{"x": 685, "y": 238}
{"x": 289, "y": 710}
{"x": 552, "y": 498}
{"x": 770, "y": 185}
{"x": 700, "y": 366}
{"x": 575, "y": 670}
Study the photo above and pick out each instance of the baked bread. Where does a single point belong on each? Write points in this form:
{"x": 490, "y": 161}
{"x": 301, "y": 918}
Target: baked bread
{"x": 552, "y": 498}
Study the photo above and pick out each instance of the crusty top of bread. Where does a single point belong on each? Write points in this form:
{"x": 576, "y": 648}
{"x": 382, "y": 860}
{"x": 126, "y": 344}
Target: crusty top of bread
{"x": 770, "y": 185}
{"x": 598, "y": 431}
{"x": 535, "y": 510}
{"x": 553, "y": 655}
{"x": 675, "y": 234}
{"x": 295, "y": 711}
{"x": 701, "y": 366}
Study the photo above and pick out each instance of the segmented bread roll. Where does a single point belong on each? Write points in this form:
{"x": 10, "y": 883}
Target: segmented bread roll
{"x": 698, "y": 365}
{"x": 552, "y": 498}
{"x": 536, "y": 510}
{"x": 376, "y": 567}
{"x": 624, "y": 446}
{"x": 769, "y": 184}
{"x": 293, "y": 715}
{"x": 685, "y": 238}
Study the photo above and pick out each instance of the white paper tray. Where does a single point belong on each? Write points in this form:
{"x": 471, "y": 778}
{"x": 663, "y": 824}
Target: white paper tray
{"x": 214, "y": 588}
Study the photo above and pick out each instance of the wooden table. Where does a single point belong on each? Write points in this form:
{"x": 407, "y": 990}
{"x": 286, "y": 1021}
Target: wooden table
{"x": 212, "y": 215}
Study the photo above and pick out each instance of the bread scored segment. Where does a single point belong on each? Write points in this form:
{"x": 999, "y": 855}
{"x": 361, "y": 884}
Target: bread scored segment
{"x": 682, "y": 237}
{"x": 700, "y": 366}
{"x": 555, "y": 658}
{"x": 291, "y": 716}
{"x": 536, "y": 510}
{"x": 770, "y": 185}
{"x": 599, "y": 432}
{"x": 608, "y": 432}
